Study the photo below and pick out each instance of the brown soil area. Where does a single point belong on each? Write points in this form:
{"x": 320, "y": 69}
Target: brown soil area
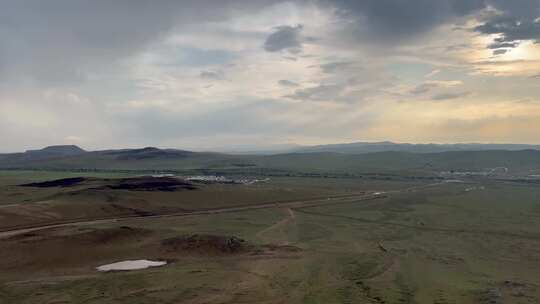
{"x": 78, "y": 250}
{"x": 71, "y": 250}
{"x": 219, "y": 245}
{"x": 207, "y": 244}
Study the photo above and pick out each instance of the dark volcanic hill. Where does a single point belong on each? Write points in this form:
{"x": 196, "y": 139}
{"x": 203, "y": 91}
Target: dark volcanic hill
{"x": 148, "y": 153}
{"x": 42, "y": 154}
{"x": 55, "y": 151}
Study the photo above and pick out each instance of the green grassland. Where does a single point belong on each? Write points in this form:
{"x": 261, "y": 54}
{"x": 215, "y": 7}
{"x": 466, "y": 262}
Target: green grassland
{"x": 474, "y": 242}
{"x": 28, "y": 206}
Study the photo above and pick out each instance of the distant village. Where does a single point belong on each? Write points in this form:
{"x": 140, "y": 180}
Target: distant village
{"x": 217, "y": 179}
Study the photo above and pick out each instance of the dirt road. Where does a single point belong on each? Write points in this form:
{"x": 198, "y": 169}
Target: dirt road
{"x": 7, "y": 232}
{"x": 338, "y": 199}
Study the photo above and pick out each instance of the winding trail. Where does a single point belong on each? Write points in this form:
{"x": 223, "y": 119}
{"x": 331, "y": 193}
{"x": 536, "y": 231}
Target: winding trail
{"x": 11, "y": 231}
{"x": 279, "y": 225}
{"x": 313, "y": 202}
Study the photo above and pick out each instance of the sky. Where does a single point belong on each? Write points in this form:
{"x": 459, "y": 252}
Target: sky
{"x": 215, "y": 74}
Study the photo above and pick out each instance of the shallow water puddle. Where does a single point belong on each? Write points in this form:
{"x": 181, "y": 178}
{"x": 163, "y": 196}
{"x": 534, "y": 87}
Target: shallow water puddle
{"x": 131, "y": 265}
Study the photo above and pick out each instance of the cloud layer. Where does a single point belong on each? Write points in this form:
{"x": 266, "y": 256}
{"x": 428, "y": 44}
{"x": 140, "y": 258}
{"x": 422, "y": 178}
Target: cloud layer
{"x": 201, "y": 74}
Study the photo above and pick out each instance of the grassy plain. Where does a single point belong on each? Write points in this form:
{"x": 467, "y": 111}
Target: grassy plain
{"x": 417, "y": 242}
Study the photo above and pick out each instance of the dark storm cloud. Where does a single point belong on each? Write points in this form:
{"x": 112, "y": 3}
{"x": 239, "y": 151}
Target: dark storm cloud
{"x": 285, "y": 37}
{"x": 517, "y": 8}
{"x": 517, "y": 21}
{"x": 396, "y": 22}
{"x": 388, "y": 20}
{"x": 512, "y": 29}
{"x": 392, "y": 21}
{"x": 502, "y": 44}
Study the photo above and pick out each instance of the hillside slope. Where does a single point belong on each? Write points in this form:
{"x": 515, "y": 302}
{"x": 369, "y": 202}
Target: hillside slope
{"x": 167, "y": 159}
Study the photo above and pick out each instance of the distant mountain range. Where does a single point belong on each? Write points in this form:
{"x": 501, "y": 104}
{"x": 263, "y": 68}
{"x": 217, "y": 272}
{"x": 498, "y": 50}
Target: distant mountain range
{"x": 386, "y": 146}
{"x": 343, "y": 158}
{"x": 66, "y": 151}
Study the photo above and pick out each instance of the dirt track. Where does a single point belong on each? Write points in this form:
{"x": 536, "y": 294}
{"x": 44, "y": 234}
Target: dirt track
{"x": 330, "y": 200}
{"x": 279, "y": 225}
{"x": 7, "y": 232}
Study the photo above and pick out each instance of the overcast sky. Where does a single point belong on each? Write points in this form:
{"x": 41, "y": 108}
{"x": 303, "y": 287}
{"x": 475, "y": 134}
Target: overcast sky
{"x": 252, "y": 73}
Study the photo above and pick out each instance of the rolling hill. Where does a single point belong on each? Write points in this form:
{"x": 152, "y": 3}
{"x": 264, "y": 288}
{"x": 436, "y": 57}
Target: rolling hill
{"x": 313, "y": 162}
{"x": 43, "y": 154}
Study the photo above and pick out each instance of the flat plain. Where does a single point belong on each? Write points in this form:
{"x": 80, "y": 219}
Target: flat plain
{"x": 284, "y": 240}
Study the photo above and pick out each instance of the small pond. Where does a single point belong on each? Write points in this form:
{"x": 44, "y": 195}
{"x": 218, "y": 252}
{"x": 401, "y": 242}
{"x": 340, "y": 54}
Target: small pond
{"x": 131, "y": 265}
